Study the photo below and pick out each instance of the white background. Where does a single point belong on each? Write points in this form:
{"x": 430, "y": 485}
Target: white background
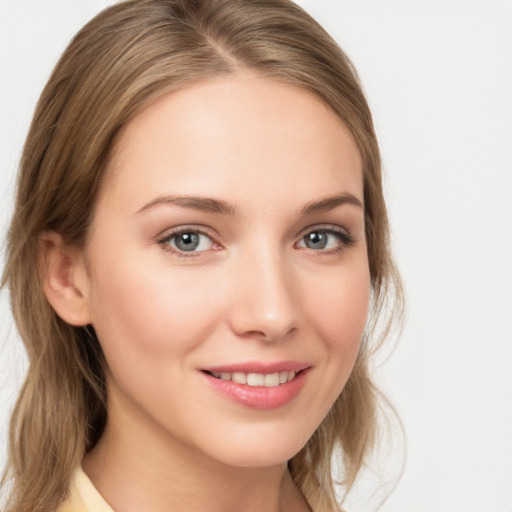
{"x": 438, "y": 76}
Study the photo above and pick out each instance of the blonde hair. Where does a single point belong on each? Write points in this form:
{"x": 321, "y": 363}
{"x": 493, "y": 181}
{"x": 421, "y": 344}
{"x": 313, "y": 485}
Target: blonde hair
{"x": 123, "y": 59}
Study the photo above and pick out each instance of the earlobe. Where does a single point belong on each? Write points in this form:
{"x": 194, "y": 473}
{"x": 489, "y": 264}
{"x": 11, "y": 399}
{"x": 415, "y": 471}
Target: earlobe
{"x": 65, "y": 280}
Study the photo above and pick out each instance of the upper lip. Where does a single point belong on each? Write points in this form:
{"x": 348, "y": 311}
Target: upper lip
{"x": 259, "y": 367}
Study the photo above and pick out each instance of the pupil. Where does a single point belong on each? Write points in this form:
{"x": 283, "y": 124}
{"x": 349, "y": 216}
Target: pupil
{"x": 187, "y": 241}
{"x": 316, "y": 240}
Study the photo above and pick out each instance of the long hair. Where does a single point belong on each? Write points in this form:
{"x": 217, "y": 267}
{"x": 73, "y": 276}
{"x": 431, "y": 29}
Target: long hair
{"x": 122, "y": 60}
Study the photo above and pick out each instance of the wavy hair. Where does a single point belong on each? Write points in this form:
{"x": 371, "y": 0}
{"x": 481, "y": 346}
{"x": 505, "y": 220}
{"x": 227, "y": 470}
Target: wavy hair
{"x": 126, "y": 57}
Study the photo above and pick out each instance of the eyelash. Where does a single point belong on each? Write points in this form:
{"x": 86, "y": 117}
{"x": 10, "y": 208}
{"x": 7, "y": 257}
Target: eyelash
{"x": 164, "y": 241}
{"x": 345, "y": 240}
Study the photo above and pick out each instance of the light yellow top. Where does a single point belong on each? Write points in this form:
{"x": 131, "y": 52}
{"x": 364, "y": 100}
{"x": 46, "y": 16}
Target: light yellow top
{"x": 83, "y": 496}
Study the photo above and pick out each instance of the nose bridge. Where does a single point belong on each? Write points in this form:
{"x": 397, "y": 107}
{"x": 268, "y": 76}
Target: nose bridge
{"x": 265, "y": 303}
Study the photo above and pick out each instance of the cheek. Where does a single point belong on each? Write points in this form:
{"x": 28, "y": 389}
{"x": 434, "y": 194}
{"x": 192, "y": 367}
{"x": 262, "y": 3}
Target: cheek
{"x": 339, "y": 312}
{"x": 150, "y": 311}
{"x": 341, "y": 308}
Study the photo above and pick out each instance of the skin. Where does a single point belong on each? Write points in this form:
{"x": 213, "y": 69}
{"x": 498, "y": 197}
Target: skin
{"x": 253, "y": 291}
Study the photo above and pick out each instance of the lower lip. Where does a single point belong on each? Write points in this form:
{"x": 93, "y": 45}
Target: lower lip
{"x": 259, "y": 397}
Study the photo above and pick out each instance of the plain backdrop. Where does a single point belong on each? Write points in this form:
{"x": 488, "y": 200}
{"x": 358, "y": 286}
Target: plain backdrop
{"x": 438, "y": 76}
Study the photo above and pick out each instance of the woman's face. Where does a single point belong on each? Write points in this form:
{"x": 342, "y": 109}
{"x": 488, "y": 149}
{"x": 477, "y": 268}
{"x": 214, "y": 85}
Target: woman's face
{"x": 226, "y": 269}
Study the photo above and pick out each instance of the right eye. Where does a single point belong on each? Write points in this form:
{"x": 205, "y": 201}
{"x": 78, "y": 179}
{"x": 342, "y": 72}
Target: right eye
{"x": 187, "y": 241}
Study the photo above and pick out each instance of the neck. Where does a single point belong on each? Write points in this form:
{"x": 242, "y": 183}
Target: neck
{"x": 136, "y": 466}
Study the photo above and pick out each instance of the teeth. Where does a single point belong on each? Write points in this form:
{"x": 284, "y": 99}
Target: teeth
{"x": 268, "y": 380}
{"x": 272, "y": 380}
{"x": 239, "y": 378}
{"x": 255, "y": 379}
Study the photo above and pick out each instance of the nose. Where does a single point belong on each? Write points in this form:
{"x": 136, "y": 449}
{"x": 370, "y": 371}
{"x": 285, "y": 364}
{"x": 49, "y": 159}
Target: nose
{"x": 265, "y": 302}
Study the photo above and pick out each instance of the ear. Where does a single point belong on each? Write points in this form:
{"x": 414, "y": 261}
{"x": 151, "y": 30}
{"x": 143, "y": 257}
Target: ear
{"x": 65, "y": 280}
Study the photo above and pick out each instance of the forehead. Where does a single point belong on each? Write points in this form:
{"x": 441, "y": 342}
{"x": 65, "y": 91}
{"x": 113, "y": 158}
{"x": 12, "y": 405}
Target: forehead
{"x": 235, "y": 137}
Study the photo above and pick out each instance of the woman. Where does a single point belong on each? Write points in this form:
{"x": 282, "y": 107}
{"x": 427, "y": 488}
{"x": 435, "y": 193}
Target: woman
{"x": 199, "y": 235}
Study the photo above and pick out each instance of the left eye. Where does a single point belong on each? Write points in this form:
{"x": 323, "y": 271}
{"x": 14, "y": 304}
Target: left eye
{"x": 321, "y": 240}
{"x": 189, "y": 241}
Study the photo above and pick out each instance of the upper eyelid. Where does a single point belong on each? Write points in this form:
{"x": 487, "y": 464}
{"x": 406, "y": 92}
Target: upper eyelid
{"x": 324, "y": 227}
{"x": 170, "y": 232}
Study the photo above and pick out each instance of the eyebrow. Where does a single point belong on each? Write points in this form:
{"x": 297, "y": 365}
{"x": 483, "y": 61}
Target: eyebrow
{"x": 218, "y": 206}
{"x": 204, "y": 204}
{"x": 329, "y": 203}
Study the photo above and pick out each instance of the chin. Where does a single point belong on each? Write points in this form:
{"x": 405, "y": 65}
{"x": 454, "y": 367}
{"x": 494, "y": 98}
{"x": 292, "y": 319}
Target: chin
{"x": 259, "y": 450}
{"x": 258, "y": 459}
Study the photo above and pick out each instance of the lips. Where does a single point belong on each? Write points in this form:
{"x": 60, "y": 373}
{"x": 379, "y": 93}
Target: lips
{"x": 258, "y": 385}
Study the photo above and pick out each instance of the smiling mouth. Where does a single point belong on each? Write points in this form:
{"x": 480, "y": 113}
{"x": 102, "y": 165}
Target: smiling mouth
{"x": 269, "y": 380}
{"x": 263, "y": 386}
